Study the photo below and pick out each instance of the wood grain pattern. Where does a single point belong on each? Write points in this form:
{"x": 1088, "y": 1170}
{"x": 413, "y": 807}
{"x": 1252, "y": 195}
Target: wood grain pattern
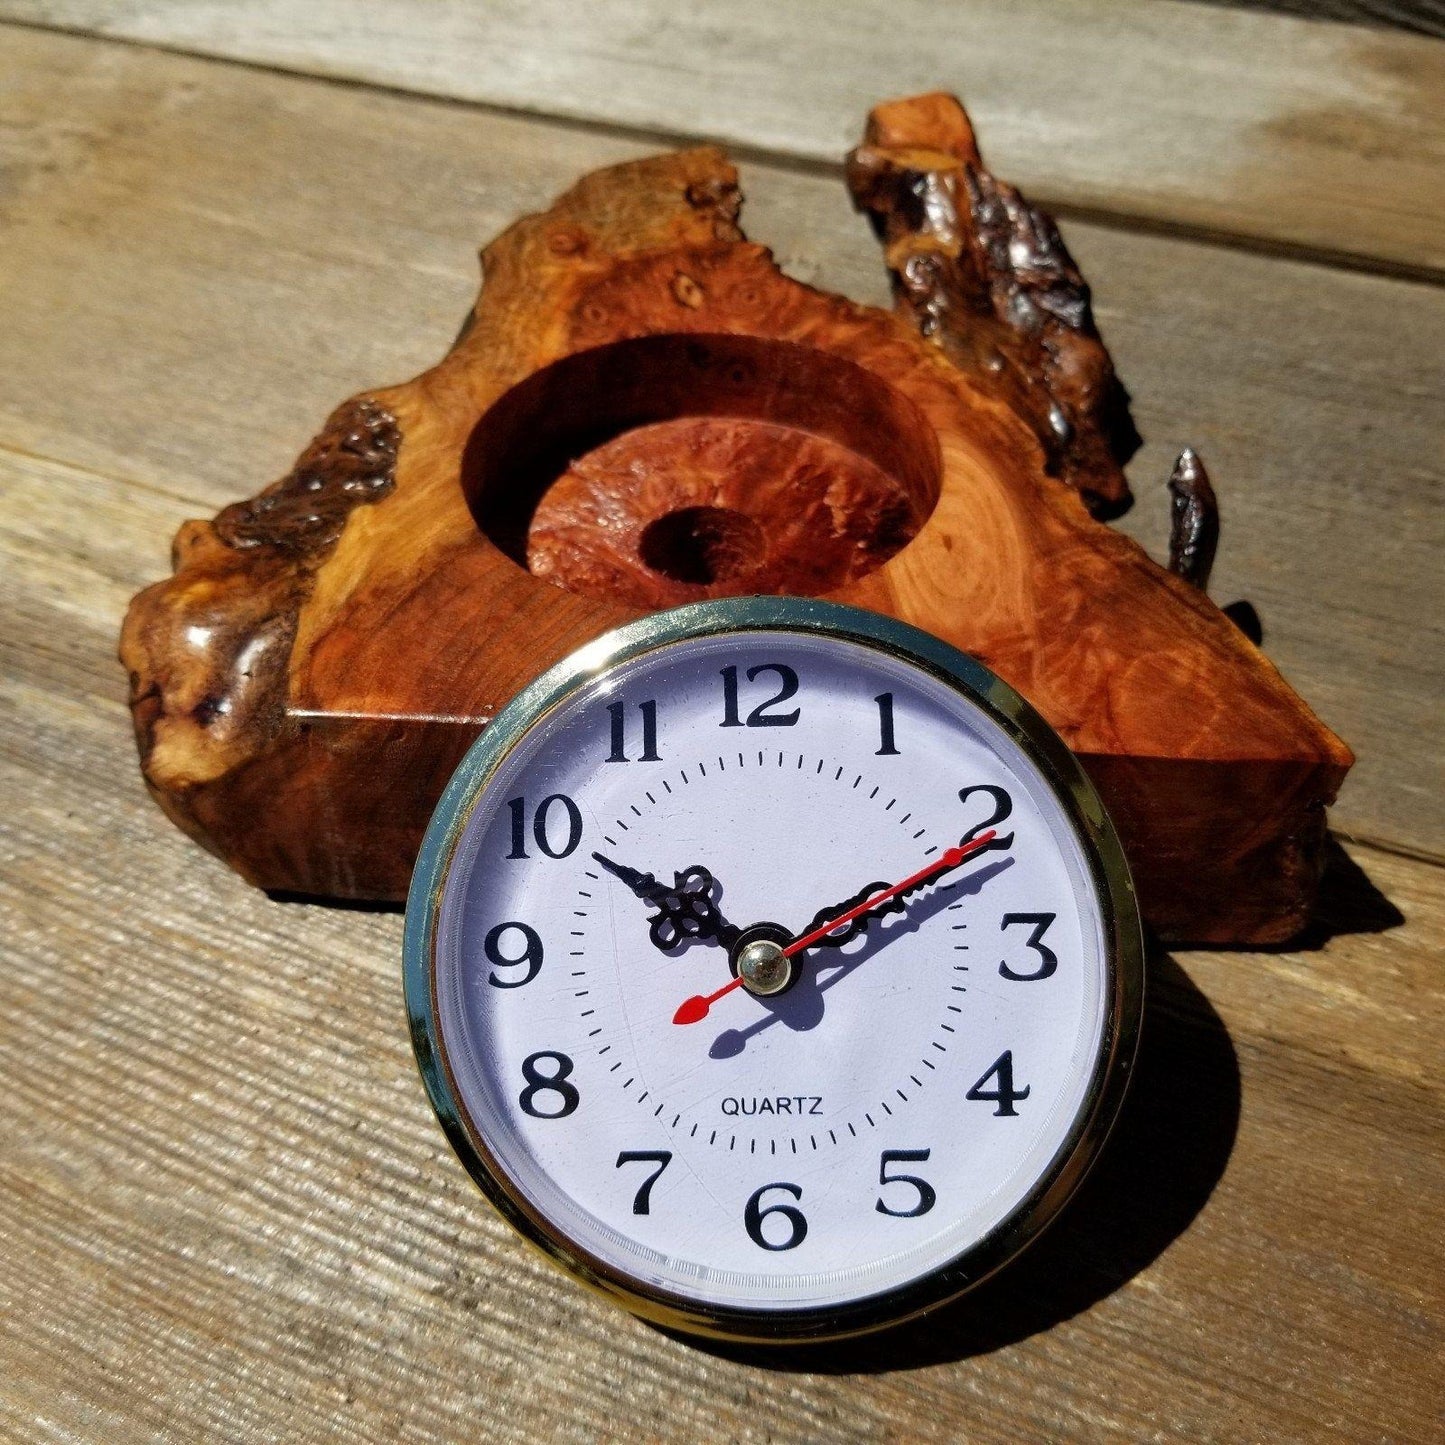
{"x": 226, "y": 1211}
{"x": 1227, "y": 122}
{"x": 140, "y": 215}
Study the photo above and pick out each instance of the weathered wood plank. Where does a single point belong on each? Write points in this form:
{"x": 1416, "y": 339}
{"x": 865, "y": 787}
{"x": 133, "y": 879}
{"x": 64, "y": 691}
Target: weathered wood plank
{"x": 1327, "y": 138}
{"x": 1424, "y": 17}
{"x": 226, "y": 1212}
{"x": 201, "y": 261}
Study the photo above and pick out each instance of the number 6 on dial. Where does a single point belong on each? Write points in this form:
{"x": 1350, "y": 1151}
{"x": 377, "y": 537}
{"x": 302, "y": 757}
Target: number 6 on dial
{"x": 754, "y": 1215}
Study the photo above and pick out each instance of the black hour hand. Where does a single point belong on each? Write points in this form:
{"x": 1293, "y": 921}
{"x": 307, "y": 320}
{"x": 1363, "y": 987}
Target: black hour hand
{"x": 685, "y": 910}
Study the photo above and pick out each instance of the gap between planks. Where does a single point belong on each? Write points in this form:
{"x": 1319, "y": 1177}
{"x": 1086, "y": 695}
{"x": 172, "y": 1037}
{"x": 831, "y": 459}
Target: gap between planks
{"x": 1247, "y": 128}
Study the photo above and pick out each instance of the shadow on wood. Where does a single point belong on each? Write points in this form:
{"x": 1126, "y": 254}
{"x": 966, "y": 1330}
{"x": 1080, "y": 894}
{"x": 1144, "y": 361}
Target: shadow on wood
{"x": 1168, "y": 1151}
{"x": 1347, "y": 902}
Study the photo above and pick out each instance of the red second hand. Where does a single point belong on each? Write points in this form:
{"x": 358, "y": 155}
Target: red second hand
{"x": 696, "y": 1008}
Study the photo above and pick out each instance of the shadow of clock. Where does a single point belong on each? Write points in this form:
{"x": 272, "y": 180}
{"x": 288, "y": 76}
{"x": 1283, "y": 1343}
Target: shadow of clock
{"x": 1168, "y": 1150}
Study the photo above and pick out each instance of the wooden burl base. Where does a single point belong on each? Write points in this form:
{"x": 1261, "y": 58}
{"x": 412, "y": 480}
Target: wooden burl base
{"x": 642, "y": 411}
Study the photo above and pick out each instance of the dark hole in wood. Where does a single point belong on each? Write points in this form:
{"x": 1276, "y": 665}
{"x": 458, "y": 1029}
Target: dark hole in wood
{"x": 703, "y": 545}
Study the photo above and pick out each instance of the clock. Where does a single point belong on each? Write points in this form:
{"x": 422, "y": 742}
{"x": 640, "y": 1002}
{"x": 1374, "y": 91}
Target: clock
{"x": 774, "y": 968}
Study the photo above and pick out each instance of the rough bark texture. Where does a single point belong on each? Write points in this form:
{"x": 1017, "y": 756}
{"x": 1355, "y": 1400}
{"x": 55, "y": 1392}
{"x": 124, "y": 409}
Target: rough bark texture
{"x": 642, "y": 411}
{"x": 987, "y": 275}
{"x": 1193, "y": 520}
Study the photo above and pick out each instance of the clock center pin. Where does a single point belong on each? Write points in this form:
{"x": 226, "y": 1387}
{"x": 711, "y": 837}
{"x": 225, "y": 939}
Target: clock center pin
{"x": 764, "y": 968}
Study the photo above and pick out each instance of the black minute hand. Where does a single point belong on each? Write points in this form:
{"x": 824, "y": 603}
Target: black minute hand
{"x": 896, "y": 900}
{"x": 685, "y": 910}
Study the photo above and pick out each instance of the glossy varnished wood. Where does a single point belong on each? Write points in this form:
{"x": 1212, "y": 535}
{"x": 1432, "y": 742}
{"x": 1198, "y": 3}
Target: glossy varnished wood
{"x": 225, "y": 1212}
{"x": 305, "y": 682}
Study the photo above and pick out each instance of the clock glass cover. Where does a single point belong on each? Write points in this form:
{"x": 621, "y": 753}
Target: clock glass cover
{"x": 774, "y": 968}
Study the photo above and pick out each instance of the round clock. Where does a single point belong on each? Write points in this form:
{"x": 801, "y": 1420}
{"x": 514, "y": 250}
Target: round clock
{"x": 773, "y": 967}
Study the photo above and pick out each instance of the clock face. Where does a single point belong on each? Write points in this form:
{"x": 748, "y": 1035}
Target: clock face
{"x": 619, "y": 881}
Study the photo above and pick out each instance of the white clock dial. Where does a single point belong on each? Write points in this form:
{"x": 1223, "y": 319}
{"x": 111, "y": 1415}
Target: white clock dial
{"x": 926, "y": 1071}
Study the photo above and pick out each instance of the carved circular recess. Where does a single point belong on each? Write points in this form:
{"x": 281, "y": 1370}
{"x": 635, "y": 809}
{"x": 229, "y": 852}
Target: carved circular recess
{"x": 674, "y": 467}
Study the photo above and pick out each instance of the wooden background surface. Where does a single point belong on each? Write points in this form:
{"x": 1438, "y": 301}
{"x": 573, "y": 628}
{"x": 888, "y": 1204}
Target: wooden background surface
{"x": 225, "y": 1209}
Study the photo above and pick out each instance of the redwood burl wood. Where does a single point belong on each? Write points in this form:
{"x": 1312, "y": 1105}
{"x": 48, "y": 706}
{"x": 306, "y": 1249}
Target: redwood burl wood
{"x": 988, "y": 276}
{"x": 641, "y": 411}
{"x": 209, "y": 650}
